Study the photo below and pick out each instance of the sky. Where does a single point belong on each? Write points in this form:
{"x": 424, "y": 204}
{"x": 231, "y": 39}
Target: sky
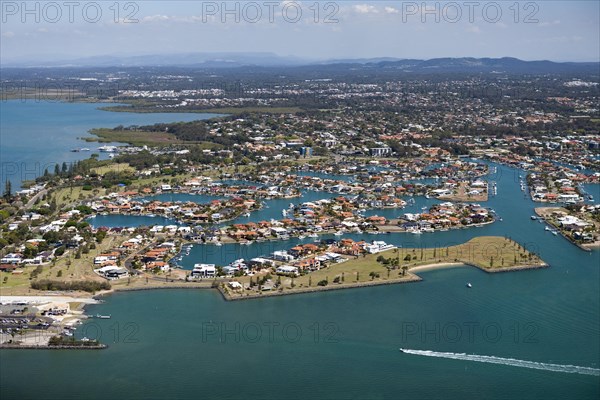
{"x": 313, "y": 30}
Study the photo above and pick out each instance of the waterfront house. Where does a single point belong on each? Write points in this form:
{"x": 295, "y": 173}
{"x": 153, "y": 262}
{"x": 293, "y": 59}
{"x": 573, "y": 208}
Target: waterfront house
{"x": 112, "y": 272}
{"x": 282, "y": 255}
{"x": 287, "y": 270}
{"x": 204, "y": 271}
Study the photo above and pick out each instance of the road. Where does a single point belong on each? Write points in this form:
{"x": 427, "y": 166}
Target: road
{"x": 35, "y": 198}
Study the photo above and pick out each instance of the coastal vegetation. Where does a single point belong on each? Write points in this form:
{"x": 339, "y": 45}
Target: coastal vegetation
{"x": 144, "y": 138}
{"x": 62, "y": 341}
{"x": 85, "y": 286}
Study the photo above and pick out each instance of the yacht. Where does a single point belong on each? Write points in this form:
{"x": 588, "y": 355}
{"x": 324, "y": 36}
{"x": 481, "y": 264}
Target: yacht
{"x": 339, "y": 233}
{"x": 533, "y": 217}
{"x": 469, "y": 285}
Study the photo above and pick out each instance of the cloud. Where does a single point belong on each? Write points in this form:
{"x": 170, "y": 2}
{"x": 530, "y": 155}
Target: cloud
{"x": 474, "y": 29}
{"x": 154, "y": 18}
{"x": 8, "y": 34}
{"x": 553, "y": 23}
{"x": 391, "y": 10}
{"x": 365, "y": 9}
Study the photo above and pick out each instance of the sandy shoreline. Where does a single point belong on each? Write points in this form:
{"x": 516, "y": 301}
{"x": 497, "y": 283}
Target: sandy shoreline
{"x": 431, "y": 267}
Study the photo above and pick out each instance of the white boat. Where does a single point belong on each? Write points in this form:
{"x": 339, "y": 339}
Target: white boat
{"x": 554, "y": 233}
{"x": 416, "y": 232}
{"x": 313, "y": 235}
{"x": 218, "y": 244}
{"x": 339, "y": 233}
{"x": 469, "y": 285}
{"x": 533, "y": 217}
{"x": 546, "y": 229}
{"x": 247, "y": 215}
{"x": 301, "y": 237}
{"x": 102, "y": 316}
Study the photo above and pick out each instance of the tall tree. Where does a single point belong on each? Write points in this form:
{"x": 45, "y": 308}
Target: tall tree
{"x": 7, "y": 189}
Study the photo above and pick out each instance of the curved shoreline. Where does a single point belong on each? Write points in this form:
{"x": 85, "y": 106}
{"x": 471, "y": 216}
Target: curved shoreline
{"x": 410, "y": 278}
{"x": 432, "y": 267}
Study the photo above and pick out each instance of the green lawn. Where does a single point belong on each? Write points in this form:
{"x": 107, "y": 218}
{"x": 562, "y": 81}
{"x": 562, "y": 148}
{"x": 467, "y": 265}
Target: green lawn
{"x": 488, "y": 253}
{"x": 71, "y": 269}
{"x": 114, "y": 167}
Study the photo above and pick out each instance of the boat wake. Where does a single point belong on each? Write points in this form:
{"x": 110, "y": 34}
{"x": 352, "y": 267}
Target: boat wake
{"x": 569, "y": 369}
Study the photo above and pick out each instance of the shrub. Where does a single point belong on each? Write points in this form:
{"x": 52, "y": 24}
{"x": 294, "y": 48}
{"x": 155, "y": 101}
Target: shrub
{"x": 86, "y": 286}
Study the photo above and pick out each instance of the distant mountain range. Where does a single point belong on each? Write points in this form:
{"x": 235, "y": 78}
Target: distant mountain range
{"x": 252, "y": 59}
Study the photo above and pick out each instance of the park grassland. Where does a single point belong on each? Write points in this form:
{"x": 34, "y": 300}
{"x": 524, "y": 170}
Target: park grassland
{"x": 488, "y": 253}
{"x": 64, "y": 269}
{"x": 113, "y": 167}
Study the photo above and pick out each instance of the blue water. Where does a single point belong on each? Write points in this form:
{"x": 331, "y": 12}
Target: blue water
{"x": 272, "y": 210}
{"x": 322, "y": 175}
{"x": 35, "y": 135}
{"x": 594, "y": 190}
{"x": 182, "y": 197}
{"x": 344, "y": 344}
{"x": 129, "y": 221}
